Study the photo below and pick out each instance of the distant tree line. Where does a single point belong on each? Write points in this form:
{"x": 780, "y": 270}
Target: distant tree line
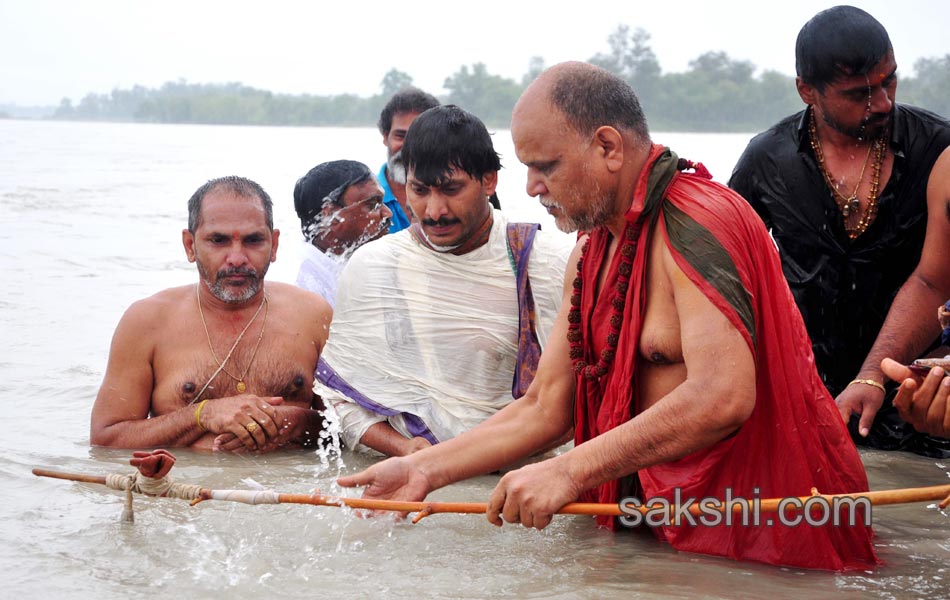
{"x": 716, "y": 93}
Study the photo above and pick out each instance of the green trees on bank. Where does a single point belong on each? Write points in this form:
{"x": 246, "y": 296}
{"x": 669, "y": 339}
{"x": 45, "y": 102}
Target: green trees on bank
{"x": 716, "y": 93}
{"x": 219, "y": 104}
{"x": 931, "y": 87}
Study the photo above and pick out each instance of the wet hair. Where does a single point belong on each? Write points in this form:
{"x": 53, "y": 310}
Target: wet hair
{"x": 839, "y": 42}
{"x": 590, "y": 97}
{"x": 445, "y": 138}
{"x": 406, "y": 100}
{"x": 240, "y": 186}
{"x": 325, "y": 184}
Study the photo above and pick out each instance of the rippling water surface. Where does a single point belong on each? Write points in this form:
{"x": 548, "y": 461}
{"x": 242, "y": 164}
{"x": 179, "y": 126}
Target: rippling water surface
{"x": 90, "y": 220}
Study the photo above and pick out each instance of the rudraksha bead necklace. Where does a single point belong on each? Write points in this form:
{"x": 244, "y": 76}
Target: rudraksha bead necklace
{"x": 628, "y": 251}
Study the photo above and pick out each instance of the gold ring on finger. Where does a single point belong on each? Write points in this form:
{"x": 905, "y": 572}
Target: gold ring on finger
{"x": 251, "y": 427}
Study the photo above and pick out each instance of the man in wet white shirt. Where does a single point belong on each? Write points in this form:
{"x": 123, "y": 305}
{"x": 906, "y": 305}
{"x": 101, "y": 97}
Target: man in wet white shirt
{"x": 439, "y": 326}
{"x": 340, "y": 206}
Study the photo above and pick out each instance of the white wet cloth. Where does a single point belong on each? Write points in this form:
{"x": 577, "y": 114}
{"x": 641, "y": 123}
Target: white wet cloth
{"x": 432, "y": 337}
{"x": 319, "y": 272}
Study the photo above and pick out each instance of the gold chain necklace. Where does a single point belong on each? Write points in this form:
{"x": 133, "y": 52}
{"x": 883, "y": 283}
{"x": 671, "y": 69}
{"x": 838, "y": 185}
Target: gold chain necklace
{"x": 241, "y": 386}
{"x": 851, "y": 204}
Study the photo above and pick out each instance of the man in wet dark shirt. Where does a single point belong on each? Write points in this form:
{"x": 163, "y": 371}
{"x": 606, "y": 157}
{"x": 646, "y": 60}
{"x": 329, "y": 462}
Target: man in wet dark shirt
{"x": 843, "y": 188}
{"x": 226, "y": 363}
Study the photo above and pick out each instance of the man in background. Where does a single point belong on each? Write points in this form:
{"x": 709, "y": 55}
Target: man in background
{"x": 843, "y": 187}
{"x": 394, "y": 121}
{"x": 340, "y": 206}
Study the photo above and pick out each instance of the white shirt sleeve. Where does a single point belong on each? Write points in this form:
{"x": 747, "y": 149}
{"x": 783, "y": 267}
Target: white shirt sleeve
{"x": 354, "y": 421}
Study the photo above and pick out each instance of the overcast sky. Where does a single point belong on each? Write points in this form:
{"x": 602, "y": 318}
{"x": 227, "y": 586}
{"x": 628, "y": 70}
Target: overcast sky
{"x": 50, "y": 49}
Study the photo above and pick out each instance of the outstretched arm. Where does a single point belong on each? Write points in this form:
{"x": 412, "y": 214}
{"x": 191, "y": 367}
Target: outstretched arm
{"x": 909, "y": 327}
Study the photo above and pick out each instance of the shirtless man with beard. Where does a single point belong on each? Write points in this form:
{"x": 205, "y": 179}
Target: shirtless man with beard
{"x": 226, "y": 363}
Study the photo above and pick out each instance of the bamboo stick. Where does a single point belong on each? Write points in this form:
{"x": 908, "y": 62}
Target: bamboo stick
{"x": 70, "y": 476}
{"x": 423, "y": 509}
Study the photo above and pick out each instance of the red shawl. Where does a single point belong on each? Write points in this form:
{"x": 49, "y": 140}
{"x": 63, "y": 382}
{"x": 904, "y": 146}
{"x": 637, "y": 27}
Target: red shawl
{"x": 794, "y": 439}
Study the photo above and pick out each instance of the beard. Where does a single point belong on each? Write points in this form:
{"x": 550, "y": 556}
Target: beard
{"x": 870, "y": 128}
{"x": 396, "y": 168}
{"x": 232, "y": 294}
{"x": 596, "y": 213}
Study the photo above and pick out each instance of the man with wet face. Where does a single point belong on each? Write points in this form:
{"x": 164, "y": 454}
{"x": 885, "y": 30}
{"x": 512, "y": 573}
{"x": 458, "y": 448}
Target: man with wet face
{"x": 678, "y": 358}
{"x": 225, "y": 363}
{"x": 340, "y": 206}
{"x": 394, "y": 121}
{"x": 439, "y": 326}
{"x": 849, "y": 189}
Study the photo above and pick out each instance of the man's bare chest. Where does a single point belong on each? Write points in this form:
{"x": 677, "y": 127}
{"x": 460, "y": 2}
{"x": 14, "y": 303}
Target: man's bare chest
{"x": 185, "y": 369}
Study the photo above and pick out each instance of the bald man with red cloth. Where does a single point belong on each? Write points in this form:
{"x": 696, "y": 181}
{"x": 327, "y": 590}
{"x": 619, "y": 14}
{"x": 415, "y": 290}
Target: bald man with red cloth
{"x": 793, "y": 439}
{"x": 678, "y": 356}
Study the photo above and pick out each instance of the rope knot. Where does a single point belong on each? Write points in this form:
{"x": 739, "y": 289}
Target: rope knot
{"x": 140, "y": 484}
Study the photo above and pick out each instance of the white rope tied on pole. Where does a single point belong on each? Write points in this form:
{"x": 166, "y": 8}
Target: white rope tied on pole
{"x": 247, "y": 496}
{"x": 162, "y": 486}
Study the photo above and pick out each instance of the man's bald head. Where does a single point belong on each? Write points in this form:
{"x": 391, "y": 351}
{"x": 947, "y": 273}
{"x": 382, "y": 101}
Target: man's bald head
{"x": 588, "y": 97}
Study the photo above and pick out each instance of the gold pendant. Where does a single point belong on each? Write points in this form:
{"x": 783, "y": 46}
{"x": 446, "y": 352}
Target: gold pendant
{"x": 241, "y": 387}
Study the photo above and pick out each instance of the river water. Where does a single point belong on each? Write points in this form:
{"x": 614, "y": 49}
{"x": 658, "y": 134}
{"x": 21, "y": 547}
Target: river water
{"x": 90, "y": 220}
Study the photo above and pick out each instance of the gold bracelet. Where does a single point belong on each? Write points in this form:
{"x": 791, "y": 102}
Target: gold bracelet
{"x": 870, "y": 382}
{"x": 198, "y": 415}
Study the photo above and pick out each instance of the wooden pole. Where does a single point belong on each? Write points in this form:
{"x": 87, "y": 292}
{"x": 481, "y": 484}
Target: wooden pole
{"x": 70, "y": 476}
{"x": 424, "y": 509}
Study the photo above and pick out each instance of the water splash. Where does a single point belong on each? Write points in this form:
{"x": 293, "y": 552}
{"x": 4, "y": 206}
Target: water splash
{"x": 251, "y": 484}
{"x": 329, "y": 450}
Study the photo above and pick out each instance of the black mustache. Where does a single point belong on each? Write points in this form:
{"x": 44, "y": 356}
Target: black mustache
{"x": 245, "y": 271}
{"x": 442, "y": 222}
